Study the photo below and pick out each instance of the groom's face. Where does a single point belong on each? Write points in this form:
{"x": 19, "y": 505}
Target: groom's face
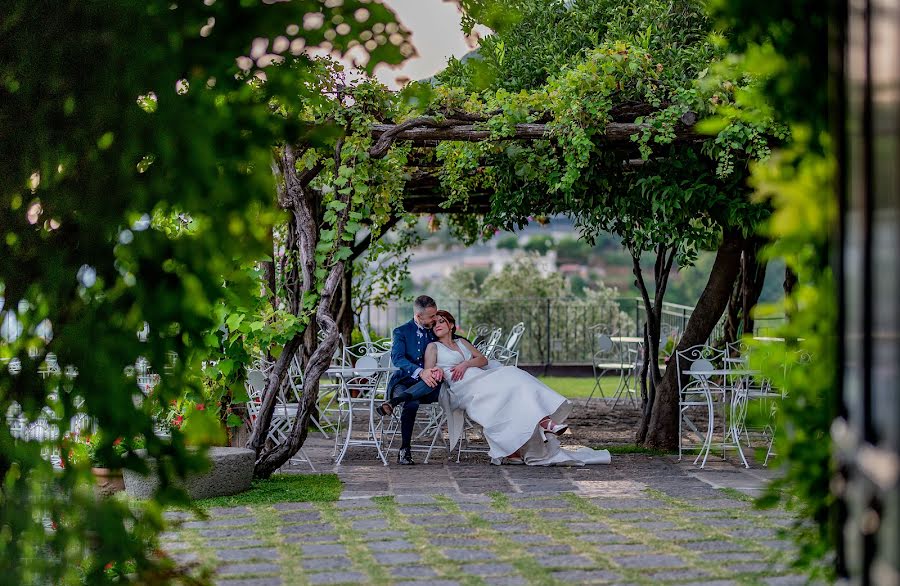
{"x": 425, "y": 318}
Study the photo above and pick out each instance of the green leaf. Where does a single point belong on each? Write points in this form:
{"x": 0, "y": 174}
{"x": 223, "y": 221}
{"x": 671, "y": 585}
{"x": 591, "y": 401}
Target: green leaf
{"x": 234, "y": 321}
{"x": 226, "y": 366}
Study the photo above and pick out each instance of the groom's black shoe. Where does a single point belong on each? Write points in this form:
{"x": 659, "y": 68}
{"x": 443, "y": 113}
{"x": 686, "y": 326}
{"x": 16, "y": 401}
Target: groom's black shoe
{"x": 404, "y": 457}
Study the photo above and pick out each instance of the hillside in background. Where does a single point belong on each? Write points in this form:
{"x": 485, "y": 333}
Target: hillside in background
{"x": 559, "y": 249}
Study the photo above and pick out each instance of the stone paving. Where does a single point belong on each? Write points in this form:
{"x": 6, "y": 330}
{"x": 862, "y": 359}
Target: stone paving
{"x": 640, "y": 520}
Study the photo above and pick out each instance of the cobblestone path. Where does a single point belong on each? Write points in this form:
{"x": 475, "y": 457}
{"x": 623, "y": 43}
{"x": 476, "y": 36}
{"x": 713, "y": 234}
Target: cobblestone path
{"x": 641, "y": 520}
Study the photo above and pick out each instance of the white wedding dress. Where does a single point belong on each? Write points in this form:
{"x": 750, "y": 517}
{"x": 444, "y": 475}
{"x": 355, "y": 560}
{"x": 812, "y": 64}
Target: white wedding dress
{"x": 508, "y": 403}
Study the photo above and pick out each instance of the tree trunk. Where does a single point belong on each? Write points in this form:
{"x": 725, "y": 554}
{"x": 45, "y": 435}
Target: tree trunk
{"x": 303, "y": 227}
{"x": 305, "y": 204}
{"x": 650, "y": 376}
{"x": 747, "y": 289}
{"x": 270, "y": 461}
{"x": 662, "y": 429}
{"x": 733, "y": 311}
{"x": 753, "y": 277}
{"x": 343, "y": 302}
{"x": 790, "y": 281}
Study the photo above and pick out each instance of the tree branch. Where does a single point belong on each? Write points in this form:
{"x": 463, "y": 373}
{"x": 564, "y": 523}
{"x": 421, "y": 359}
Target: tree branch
{"x": 421, "y": 130}
{"x": 360, "y": 247}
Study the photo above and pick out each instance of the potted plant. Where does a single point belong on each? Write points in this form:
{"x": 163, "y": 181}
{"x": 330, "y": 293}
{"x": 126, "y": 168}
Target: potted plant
{"x": 107, "y": 475}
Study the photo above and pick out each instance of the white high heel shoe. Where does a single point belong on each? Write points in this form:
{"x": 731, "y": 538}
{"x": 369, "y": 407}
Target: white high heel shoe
{"x": 547, "y": 426}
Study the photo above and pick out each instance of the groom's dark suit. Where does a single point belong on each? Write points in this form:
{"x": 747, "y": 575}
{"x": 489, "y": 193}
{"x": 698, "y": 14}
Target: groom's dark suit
{"x": 408, "y": 355}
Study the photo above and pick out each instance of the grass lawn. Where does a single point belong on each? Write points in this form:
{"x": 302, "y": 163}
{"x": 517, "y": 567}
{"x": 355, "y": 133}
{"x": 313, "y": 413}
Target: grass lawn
{"x": 579, "y": 387}
{"x": 633, "y": 449}
{"x": 281, "y": 488}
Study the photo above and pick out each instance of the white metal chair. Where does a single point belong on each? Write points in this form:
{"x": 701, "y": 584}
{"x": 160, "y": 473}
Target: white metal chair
{"x": 481, "y": 333}
{"x": 698, "y": 388}
{"x": 282, "y": 416}
{"x": 607, "y": 358}
{"x": 359, "y": 392}
{"x": 470, "y": 429}
{"x": 487, "y": 345}
{"x": 791, "y": 361}
{"x": 508, "y": 353}
{"x": 633, "y": 360}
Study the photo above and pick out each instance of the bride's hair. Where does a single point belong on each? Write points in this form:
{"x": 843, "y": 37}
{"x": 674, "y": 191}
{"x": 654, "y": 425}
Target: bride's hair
{"x": 450, "y": 319}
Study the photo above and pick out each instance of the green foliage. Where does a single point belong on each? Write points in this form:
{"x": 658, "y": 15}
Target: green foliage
{"x": 688, "y": 283}
{"x": 539, "y": 243}
{"x": 510, "y": 242}
{"x": 796, "y": 181}
{"x": 520, "y": 292}
{"x": 282, "y": 488}
{"x": 381, "y": 275}
{"x": 588, "y": 60}
{"x": 140, "y": 173}
{"x": 572, "y": 250}
{"x": 99, "y": 454}
{"x": 779, "y": 44}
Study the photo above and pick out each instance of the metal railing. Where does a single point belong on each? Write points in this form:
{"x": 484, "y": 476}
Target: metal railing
{"x": 557, "y": 331}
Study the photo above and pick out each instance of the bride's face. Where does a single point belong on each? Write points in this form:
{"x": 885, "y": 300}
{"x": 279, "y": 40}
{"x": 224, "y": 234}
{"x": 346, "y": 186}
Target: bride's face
{"x": 441, "y": 327}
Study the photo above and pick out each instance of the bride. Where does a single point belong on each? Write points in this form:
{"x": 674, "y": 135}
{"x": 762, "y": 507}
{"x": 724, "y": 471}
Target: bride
{"x": 520, "y": 415}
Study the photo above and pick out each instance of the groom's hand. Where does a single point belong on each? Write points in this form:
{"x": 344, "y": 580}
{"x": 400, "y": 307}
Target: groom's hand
{"x": 428, "y": 377}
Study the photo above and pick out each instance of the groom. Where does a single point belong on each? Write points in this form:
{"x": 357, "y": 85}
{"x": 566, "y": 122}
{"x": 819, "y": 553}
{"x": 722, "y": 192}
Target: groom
{"x": 412, "y": 384}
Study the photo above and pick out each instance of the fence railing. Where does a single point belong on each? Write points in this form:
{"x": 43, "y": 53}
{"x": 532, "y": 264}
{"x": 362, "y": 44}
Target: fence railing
{"x": 557, "y": 331}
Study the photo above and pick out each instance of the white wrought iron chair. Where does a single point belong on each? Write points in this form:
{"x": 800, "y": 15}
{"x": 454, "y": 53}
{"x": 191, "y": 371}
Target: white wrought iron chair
{"x": 358, "y": 395}
{"x": 699, "y": 387}
{"x": 481, "y": 333}
{"x": 791, "y": 360}
{"x": 608, "y": 358}
{"x": 490, "y": 342}
{"x": 282, "y": 415}
{"x": 508, "y": 353}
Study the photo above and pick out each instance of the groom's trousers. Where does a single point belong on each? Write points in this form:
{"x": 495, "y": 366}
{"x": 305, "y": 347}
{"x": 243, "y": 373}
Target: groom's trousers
{"x": 413, "y": 396}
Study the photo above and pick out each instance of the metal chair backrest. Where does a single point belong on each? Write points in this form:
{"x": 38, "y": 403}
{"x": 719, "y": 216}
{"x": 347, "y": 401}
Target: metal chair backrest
{"x": 515, "y": 336}
{"x": 737, "y": 349}
{"x": 700, "y": 366}
{"x": 687, "y": 358}
{"x": 494, "y": 337}
{"x": 257, "y": 381}
{"x": 479, "y": 334}
{"x": 604, "y": 343}
{"x": 366, "y": 365}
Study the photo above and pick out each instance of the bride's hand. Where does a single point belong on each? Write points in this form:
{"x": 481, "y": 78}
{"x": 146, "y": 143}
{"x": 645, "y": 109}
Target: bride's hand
{"x": 458, "y": 371}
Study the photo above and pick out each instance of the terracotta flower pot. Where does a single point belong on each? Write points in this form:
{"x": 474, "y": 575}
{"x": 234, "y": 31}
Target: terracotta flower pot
{"x": 108, "y": 481}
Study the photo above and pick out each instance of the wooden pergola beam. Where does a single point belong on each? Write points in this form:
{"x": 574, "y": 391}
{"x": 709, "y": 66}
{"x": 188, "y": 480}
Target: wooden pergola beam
{"x": 429, "y": 131}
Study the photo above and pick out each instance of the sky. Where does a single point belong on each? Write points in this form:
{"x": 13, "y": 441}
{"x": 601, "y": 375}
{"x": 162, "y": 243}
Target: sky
{"x": 436, "y": 35}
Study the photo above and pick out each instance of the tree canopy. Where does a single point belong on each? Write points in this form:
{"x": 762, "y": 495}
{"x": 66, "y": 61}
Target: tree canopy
{"x": 135, "y": 169}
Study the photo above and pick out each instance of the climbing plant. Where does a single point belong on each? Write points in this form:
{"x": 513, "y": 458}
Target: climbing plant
{"x": 782, "y": 46}
{"x": 135, "y": 168}
{"x": 671, "y": 189}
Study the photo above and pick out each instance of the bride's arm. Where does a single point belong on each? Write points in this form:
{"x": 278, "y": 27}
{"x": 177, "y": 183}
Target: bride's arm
{"x": 429, "y": 362}
{"x": 430, "y": 356}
